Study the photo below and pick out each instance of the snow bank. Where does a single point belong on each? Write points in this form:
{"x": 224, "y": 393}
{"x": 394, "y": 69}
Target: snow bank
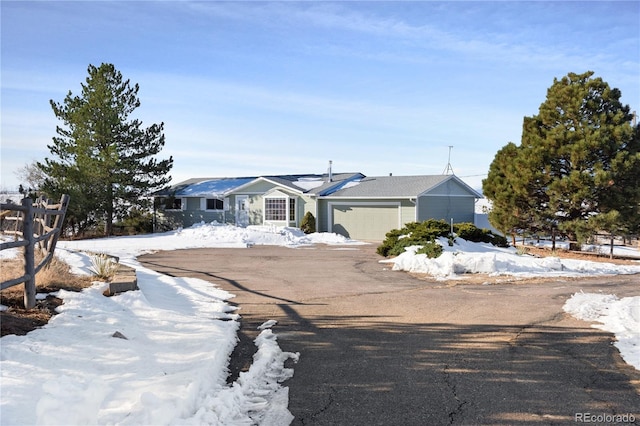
{"x": 205, "y": 235}
{"x": 143, "y": 357}
{"x": 256, "y": 397}
{"x": 618, "y": 316}
{"x": 466, "y": 257}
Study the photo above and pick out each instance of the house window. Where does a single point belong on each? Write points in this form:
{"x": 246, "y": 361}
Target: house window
{"x": 172, "y": 203}
{"x": 215, "y": 204}
{"x": 275, "y": 209}
{"x": 292, "y": 209}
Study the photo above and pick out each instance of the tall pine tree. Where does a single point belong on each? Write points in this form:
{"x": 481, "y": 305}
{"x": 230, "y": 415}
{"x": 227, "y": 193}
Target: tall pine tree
{"x": 578, "y": 166}
{"x": 502, "y": 186}
{"x": 104, "y": 159}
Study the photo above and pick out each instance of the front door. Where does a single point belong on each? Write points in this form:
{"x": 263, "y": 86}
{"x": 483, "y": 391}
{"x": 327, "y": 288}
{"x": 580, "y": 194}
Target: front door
{"x": 242, "y": 210}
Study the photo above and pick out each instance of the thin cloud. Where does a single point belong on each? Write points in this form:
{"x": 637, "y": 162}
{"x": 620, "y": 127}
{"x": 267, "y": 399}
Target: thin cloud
{"x": 525, "y": 44}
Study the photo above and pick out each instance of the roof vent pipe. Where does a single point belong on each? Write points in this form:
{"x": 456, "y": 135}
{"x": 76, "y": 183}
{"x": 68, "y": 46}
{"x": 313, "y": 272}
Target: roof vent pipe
{"x": 330, "y": 172}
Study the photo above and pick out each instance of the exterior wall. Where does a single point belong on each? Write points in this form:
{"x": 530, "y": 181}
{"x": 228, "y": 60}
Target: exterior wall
{"x": 259, "y": 187}
{"x": 461, "y": 209}
{"x": 307, "y": 204}
{"x": 321, "y": 217}
{"x": 193, "y": 212}
{"x": 450, "y": 188}
{"x": 304, "y": 204}
{"x": 173, "y": 219}
{"x": 255, "y": 208}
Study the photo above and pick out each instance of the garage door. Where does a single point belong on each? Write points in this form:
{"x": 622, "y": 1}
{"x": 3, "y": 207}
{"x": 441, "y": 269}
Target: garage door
{"x": 364, "y": 222}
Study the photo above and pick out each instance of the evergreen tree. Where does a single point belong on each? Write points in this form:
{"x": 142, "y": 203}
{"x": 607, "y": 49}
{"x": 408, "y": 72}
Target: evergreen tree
{"x": 578, "y": 166}
{"x": 105, "y": 160}
{"x": 591, "y": 159}
{"x": 508, "y": 212}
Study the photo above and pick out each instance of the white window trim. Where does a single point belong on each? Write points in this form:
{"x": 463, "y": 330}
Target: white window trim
{"x": 280, "y": 196}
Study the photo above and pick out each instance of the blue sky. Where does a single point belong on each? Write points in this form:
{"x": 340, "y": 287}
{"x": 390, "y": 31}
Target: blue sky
{"x": 251, "y": 88}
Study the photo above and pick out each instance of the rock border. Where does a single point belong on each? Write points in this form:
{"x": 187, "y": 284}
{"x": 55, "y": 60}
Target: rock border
{"x": 125, "y": 279}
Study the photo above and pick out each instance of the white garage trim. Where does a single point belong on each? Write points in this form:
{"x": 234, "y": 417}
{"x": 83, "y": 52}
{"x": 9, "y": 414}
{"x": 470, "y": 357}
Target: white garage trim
{"x": 331, "y": 204}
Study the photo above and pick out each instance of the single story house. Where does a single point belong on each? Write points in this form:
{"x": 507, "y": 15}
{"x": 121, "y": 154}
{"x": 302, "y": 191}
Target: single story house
{"x": 351, "y": 204}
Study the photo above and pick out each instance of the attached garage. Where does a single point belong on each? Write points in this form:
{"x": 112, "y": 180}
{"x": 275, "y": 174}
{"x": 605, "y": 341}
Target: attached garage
{"x": 368, "y": 208}
{"x": 364, "y": 221}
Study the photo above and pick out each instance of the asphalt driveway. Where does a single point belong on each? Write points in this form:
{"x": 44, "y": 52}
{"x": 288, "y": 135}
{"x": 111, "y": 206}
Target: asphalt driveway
{"x": 379, "y": 347}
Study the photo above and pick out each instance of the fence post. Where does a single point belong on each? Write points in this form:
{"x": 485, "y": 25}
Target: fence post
{"x": 29, "y": 252}
{"x": 58, "y": 221}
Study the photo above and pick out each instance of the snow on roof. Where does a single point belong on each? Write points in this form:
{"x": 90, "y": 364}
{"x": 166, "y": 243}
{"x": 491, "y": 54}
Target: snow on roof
{"x": 314, "y": 184}
{"x": 309, "y": 183}
{"x": 212, "y": 187}
{"x": 352, "y": 183}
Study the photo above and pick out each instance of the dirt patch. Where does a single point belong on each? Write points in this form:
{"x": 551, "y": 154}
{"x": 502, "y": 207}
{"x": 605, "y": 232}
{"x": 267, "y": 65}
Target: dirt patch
{"x": 57, "y": 276}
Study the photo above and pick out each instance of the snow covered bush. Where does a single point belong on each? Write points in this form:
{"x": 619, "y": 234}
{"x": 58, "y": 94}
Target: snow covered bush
{"x": 468, "y": 231}
{"x": 431, "y": 249}
{"x": 422, "y": 233}
{"x": 412, "y": 234}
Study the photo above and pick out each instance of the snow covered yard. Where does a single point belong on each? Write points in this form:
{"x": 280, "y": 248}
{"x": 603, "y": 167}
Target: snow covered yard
{"x": 160, "y": 355}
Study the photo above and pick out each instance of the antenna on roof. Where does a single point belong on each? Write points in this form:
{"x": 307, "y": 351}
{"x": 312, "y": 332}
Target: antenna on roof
{"x": 449, "y": 168}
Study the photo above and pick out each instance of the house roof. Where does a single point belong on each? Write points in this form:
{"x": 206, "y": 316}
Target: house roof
{"x": 338, "y": 181}
{"x": 205, "y": 187}
{"x": 396, "y": 186}
{"x": 343, "y": 185}
{"x": 313, "y": 184}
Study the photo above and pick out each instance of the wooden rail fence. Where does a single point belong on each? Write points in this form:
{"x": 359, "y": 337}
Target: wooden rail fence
{"x": 36, "y": 224}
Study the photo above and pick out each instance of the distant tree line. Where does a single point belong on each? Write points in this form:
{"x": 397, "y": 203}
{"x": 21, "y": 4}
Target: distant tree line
{"x": 577, "y": 169}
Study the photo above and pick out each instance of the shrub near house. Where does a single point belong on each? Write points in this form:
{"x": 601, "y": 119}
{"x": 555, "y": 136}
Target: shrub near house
{"x": 425, "y": 233}
{"x": 308, "y": 224}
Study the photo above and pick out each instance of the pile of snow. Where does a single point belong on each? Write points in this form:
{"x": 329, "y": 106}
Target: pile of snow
{"x": 309, "y": 183}
{"x": 155, "y": 356}
{"x": 205, "y": 235}
{"x": 466, "y": 257}
{"x": 618, "y": 316}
